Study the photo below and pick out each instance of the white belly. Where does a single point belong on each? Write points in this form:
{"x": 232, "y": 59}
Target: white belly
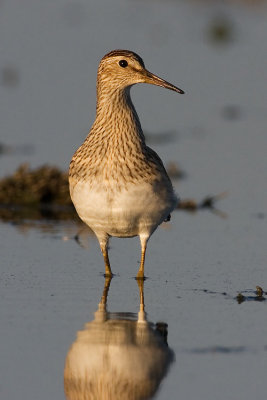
{"x": 137, "y": 210}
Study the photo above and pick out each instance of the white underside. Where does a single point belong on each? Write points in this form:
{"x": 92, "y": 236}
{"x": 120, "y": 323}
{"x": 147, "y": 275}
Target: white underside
{"x": 135, "y": 211}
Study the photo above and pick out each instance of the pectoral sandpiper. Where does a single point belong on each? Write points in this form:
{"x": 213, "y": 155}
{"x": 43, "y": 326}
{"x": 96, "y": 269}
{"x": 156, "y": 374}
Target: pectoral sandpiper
{"x": 119, "y": 185}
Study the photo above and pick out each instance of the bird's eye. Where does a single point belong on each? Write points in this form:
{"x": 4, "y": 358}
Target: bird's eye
{"x": 123, "y": 63}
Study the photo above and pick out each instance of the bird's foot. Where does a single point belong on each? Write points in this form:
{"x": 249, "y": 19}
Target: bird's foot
{"x": 140, "y": 277}
{"x": 108, "y": 275}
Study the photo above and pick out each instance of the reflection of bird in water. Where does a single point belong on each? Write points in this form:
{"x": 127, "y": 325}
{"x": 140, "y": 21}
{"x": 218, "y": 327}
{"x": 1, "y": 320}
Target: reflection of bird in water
{"x": 119, "y": 185}
{"x": 118, "y": 356}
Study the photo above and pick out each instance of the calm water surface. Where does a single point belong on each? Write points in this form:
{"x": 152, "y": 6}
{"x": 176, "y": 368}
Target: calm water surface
{"x": 51, "y": 285}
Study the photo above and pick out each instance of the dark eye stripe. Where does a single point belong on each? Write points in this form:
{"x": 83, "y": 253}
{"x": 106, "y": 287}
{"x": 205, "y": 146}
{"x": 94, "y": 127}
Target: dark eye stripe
{"x": 123, "y": 63}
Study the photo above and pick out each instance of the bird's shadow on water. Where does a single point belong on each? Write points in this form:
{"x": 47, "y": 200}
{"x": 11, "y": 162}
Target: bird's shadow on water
{"x": 117, "y": 355}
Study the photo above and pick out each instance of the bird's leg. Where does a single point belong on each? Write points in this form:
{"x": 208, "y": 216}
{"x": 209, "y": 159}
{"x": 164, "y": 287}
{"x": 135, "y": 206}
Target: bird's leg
{"x": 141, "y": 271}
{"x": 108, "y": 272}
{"x": 104, "y": 249}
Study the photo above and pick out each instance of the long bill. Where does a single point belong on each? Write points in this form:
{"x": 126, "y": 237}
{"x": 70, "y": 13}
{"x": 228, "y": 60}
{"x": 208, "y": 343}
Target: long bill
{"x": 156, "y": 80}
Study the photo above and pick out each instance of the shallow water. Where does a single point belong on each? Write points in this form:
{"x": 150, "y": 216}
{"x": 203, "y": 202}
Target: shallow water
{"x": 50, "y": 284}
{"x": 51, "y": 287}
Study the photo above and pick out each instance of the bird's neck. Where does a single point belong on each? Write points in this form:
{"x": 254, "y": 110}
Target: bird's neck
{"x": 115, "y": 140}
{"x": 116, "y": 116}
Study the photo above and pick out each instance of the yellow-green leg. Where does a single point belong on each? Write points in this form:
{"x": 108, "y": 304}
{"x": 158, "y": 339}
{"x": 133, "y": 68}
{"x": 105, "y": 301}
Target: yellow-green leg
{"x": 104, "y": 249}
{"x": 141, "y": 272}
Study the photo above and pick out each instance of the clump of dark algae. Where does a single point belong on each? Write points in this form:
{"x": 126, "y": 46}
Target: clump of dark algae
{"x": 35, "y": 194}
{"x": 259, "y": 296}
{"x": 208, "y": 203}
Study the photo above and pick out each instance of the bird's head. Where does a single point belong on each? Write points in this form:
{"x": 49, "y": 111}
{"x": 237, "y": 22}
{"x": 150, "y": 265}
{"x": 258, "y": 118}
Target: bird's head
{"x": 123, "y": 68}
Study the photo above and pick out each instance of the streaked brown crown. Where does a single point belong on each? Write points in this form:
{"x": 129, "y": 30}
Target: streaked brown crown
{"x": 124, "y": 53}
